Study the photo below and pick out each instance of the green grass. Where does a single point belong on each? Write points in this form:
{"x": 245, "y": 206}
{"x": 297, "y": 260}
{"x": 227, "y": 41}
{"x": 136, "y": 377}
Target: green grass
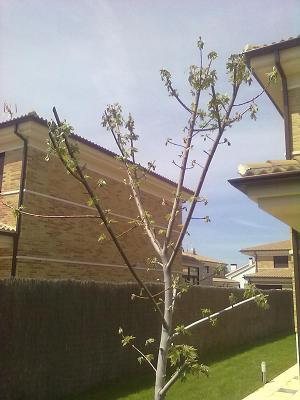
{"x": 232, "y": 376}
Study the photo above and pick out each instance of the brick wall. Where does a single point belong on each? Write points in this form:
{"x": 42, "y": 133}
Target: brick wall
{"x": 101, "y": 273}
{"x": 267, "y": 263}
{"x": 294, "y": 105}
{"x": 76, "y": 240}
{"x": 11, "y": 182}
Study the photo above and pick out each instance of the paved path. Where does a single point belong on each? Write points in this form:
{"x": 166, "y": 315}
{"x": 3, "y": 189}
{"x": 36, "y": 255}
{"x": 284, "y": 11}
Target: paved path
{"x": 283, "y": 387}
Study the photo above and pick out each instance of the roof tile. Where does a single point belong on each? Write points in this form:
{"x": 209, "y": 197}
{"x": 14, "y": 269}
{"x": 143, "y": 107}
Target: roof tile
{"x": 253, "y": 47}
{"x": 272, "y": 273}
{"x": 33, "y": 116}
{"x": 282, "y": 245}
{"x": 6, "y": 228}
{"x": 198, "y": 257}
{"x": 268, "y": 167}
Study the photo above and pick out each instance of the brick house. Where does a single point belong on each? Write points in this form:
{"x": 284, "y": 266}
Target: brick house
{"x": 52, "y": 248}
{"x": 273, "y": 265}
{"x": 274, "y": 185}
{"x": 204, "y": 271}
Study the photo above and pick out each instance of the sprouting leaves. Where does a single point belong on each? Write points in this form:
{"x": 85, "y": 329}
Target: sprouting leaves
{"x": 212, "y": 55}
{"x": 127, "y": 340}
{"x": 272, "y": 76}
{"x": 185, "y": 358}
{"x": 180, "y": 330}
{"x": 101, "y": 237}
{"x": 112, "y": 117}
{"x": 149, "y": 341}
{"x": 232, "y": 299}
{"x": 101, "y": 182}
{"x": 167, "y": 81}
{"x": 253, "y": 111}
{"x": 206, "y": 312}
{"x": 145, "y": 357}
{"x": 200, "y": 43}
{"x": 57, "y": 144}
{"x": 237, "y": 70}
{"x": 261, "y": 299}
{"x": 18, "y": 211}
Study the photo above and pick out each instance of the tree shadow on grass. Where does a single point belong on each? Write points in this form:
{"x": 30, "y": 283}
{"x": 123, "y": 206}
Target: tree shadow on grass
{"x": 128, "y": 386}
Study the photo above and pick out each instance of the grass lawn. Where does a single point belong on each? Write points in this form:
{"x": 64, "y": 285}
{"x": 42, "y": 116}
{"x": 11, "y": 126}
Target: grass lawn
{"x": 232, "y": 376}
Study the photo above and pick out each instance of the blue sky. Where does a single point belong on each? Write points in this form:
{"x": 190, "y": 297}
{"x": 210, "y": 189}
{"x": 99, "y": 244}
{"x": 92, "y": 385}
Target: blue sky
{"x": 82, "y": 55}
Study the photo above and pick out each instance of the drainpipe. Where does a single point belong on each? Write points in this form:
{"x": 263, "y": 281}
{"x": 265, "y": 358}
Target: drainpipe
{"x": 256, "y": 263}
{"x": 20, "y": 202}
{"x": 286, "y": 111}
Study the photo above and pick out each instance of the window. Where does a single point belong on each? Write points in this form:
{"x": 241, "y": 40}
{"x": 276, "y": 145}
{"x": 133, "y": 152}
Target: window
{"x": 281, "y": 262}
{"x": 1, "y": 168}
{"x": 191, "y": 275}
{"x": 207, "y": 269}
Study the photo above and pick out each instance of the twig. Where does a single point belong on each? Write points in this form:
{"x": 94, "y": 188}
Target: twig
{"x": 144, "y": 357}
{"x": 251, "y": 100}
{"x": 203, "y": 176}
{"x": 106, "y": 223}
{"x": 216, "y": 314}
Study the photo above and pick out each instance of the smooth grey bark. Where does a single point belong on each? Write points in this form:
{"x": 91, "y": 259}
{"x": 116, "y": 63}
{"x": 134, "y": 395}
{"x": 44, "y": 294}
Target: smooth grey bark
{"x": 166, "y": 332}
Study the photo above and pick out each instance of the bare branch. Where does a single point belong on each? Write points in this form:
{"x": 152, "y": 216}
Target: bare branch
{"x": 175, "y": 94}
{"x": 172, "y": 380}
{"x": 216, "y": 314}
{"x": 106, "y": 223}
{"x": 203, "y": 176}
{"x": 185, "y": 157}
{"x": 251, "y": 100}
{"x": 144, "y": 357}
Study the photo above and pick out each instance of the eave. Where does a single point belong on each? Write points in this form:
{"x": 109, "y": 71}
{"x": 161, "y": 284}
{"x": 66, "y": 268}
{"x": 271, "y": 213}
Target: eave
{"x": 95, "y": 157}
{"x": 285, "y": 56}
{"x": 277, "y": 193}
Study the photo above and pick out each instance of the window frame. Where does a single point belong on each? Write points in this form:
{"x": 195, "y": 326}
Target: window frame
{"x": 189, "y": 277}
{"x": 278, "y": 264}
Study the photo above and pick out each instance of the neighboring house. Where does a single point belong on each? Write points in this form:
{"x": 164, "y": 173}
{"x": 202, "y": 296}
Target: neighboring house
{"x": 275, "y": 185}
{"x": 273, "y": 265}
{"x": 201, "y": 270}
{"x": 225, "y": 283}
{"x": 69, "y": 248}
{"x": 238, "y": 274}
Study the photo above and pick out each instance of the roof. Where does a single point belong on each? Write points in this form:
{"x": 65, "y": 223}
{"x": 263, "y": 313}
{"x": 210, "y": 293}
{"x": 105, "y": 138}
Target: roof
{"x": 6, "y": 228}
{"x": 255, "y": 50}
{"x": 225, "y": 280}
{"x": 243, "y": 182}
{"x": 272, "y": 273}
{"x": 268, "y": 167}
{"x": 239, "y": 271}
{"x": 33, "y": 116}
{"x": 274, "y": 246}
{"x": 197, "y": 257}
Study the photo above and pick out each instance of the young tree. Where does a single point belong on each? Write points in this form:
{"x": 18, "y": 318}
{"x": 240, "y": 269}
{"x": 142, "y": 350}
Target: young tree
{"x": 208, "y": 123}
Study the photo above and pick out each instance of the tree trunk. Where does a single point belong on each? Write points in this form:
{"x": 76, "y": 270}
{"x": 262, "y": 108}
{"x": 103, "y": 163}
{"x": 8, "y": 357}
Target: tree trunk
{"x": 164, "y": 340}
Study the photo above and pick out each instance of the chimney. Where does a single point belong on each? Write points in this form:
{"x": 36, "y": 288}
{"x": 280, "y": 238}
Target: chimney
{"x": 193, "y": 250}
{"x": 250, "y": 261}
{"x": 233, "y": 267}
